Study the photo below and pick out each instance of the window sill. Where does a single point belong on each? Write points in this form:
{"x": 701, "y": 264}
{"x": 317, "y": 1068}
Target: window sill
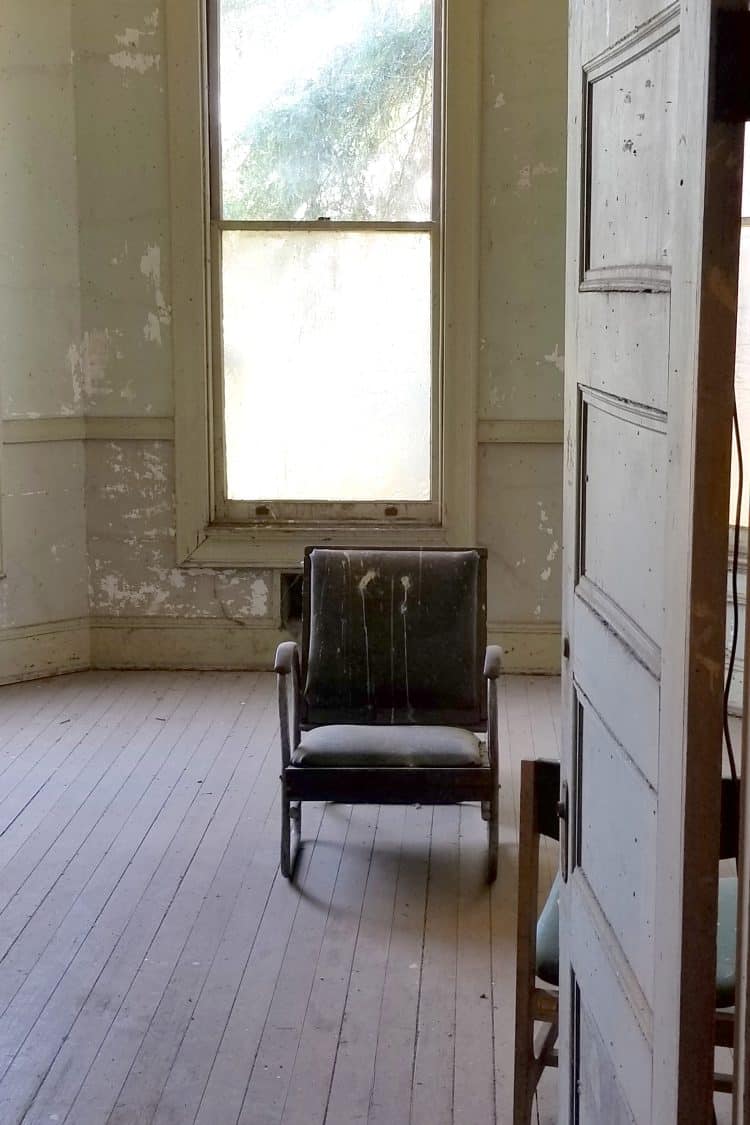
{"x": 284, "y": 547}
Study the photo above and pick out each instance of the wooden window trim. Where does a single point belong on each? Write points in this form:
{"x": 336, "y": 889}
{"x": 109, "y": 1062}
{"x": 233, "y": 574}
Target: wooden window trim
{"x": 201, "y": 541}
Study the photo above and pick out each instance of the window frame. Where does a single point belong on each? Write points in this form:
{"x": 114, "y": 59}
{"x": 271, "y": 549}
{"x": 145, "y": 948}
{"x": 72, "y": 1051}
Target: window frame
{"x": 208, "y": 531}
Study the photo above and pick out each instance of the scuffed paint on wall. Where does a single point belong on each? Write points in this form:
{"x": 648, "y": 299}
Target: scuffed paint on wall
{"x": 523, "y": 211}
{"x": 259, "y": 598}
{"x": 557, "y": 359}
{"x": 530, "y": 172}
{"x": 132, "y": 562}
{"x": 151, "y": 269}
{"x": 129, "y": 57}
{"x": 544, "y": 524}
{"x": 89, "y": 361}
{"x": 130, "y": 60}
{"x": 520, "y": 519}
{"x": 158, "y": 589}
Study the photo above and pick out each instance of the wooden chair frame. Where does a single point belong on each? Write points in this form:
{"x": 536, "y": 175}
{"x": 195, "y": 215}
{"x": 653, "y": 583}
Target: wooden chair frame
{"x": 379, "y": 784}
{"x": 536, "y": 1004}
{"x": 540, "y": 785}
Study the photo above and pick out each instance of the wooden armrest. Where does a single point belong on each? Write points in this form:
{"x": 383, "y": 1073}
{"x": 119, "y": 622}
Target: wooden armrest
{"x": 286, "y": 655}
{"x": 493, "y": 661}
{"x": 287, "y": 664}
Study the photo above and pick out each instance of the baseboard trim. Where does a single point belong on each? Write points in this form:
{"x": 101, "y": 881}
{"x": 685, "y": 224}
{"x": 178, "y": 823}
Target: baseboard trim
{"x": 35, "y": 651}
{"x": 32, "y": 652}
{"x": 527, "y": 647}
{"x": 194, "y": 643}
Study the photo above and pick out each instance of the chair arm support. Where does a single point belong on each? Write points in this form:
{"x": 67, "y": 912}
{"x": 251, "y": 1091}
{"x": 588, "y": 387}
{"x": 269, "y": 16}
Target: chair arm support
{"x": 493, "y": 662}
{"x": 285, "y": 655}
{"x": 493, "y": 734}
{"x": 287, "y": 664}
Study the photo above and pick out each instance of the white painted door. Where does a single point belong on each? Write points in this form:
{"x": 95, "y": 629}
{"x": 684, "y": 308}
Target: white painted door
{"x": 653, "y": 230}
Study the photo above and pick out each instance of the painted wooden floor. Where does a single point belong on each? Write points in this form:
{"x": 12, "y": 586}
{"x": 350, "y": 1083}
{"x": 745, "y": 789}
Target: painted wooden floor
{"x": 155, "y": 967}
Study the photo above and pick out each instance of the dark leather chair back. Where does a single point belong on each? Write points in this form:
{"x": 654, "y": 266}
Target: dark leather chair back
{"x": 394, "y": 636}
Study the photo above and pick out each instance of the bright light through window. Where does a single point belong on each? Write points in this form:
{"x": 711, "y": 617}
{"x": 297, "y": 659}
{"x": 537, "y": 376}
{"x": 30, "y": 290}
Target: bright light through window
{"x": 327, "y": 368}
{"x": 326, "y": 234}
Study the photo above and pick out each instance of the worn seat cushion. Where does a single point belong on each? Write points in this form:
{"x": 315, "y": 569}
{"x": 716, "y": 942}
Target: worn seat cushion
{"x": 548, "y": 936}
{"x": 726, "y": 941}
{"x": 548, "y": 944}
{"x": 351, "y": 745}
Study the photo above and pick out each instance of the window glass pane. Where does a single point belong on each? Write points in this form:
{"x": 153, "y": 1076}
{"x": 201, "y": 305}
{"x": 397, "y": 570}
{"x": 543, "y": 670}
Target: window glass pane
{"x": 326, "y": 109}
{"x": 327, "y": 362}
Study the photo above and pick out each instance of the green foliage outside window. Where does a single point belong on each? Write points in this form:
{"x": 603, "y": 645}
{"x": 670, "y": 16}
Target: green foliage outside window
{"x": 353, "y": 142}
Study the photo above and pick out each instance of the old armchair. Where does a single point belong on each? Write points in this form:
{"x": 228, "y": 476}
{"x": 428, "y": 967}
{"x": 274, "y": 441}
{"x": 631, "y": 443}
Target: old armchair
{"x": 382, "y": 702}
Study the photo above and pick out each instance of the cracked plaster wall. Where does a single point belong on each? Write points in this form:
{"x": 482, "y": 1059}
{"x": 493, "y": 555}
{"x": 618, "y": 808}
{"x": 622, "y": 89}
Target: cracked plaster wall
{"x": 43, "y": 525}
{"x": 125, "y": 357}
{"x": 91, "y": 261}
{"x": 121, "y": 101}
{"x": 522, "y": 302}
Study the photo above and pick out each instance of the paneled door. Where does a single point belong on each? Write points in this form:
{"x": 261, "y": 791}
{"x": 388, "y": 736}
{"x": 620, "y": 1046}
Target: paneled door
{"x": 653, "y": 232}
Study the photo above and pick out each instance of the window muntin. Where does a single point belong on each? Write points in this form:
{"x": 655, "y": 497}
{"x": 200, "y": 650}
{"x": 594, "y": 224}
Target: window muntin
{"x": 325, "y": 160}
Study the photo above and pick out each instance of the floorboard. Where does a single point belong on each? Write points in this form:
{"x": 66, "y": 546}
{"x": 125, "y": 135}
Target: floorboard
{"x": 155, "y": 969}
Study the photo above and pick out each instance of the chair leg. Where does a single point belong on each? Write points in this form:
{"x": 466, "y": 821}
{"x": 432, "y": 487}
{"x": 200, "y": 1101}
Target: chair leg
{"x": 522, "y": 1107}
{"x": 295, "y": 815}
{"x": 493, "y": 837}
{"x": 291, "y": 833}
{"x": 523, "y": 1082}
{"x": 286, "y": 856}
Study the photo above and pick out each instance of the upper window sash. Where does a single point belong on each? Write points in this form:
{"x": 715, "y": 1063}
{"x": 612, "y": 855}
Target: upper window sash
{"x": 340, "y": 112}
{"x": 204, "y": 536}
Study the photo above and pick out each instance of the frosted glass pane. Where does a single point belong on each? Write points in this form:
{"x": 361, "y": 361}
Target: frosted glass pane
{"x": 327, "y": 365}
{"x": 326, "y": 109}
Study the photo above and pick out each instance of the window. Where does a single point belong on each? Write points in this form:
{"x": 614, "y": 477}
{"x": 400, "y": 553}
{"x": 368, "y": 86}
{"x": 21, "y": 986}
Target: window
{"x": 325, "y": 216}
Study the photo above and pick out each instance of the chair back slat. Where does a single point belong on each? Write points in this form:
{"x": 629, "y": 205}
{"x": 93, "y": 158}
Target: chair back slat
{"x": 729, "y": 840}
{"x": 546, "y": 797}
{"x": 394, "y": 636}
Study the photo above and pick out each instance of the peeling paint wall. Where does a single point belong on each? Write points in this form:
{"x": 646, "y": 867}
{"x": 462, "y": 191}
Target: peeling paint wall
{"x": 84, "y": 164}
{"x": 43, "y": 525}
{"x": 132, "y": 572}
{"x": 121, "y": 112}
{"x": 522, "y": 303}
{"x": 120, "y": 92}
{"x": 124, "y": 361}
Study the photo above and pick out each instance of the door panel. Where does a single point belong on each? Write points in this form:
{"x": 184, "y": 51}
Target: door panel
{"x": 621, "y": 507}
{"x": 601, "y": 1097}
{"x": 618, "y": 841}
{"x": 653, "y": 227}
{"x": 626, "y": 691}
{"x": 631, "y": 103}
{"x": 624, "y": 1023}
{"x": 627, "y": 346}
